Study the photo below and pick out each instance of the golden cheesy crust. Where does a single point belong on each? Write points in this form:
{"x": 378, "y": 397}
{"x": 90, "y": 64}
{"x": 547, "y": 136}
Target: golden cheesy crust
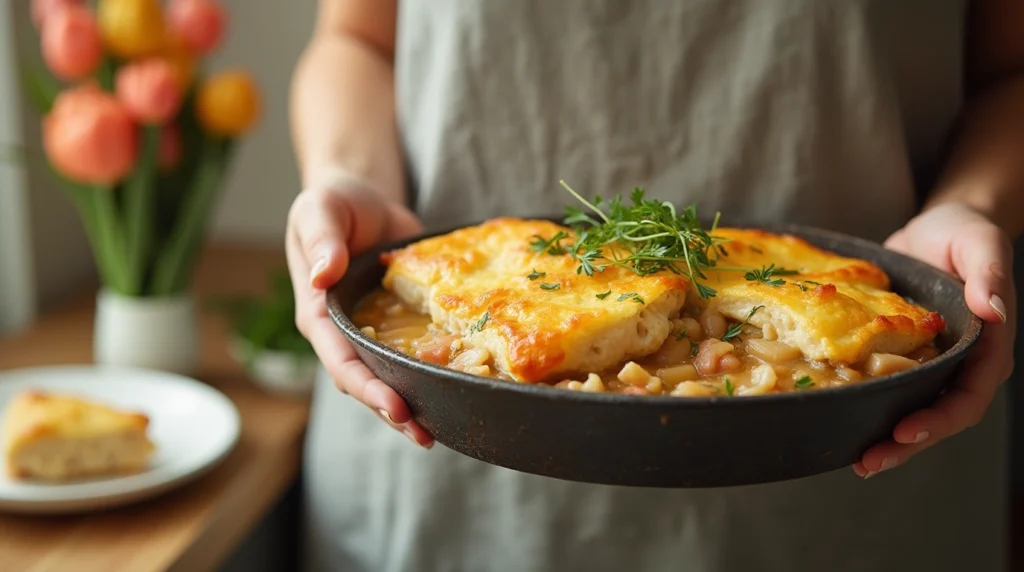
{"x": 533, "y": 311}
{"x": 835, "y": 309}
{"x": 61, "y": 437}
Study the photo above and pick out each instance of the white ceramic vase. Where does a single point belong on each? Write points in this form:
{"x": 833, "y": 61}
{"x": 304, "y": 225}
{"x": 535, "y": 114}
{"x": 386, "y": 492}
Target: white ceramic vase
{"x": 151, "y": 333}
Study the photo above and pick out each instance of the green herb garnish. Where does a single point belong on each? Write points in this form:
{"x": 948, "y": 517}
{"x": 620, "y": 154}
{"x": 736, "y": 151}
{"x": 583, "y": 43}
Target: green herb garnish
{"x": 735, "y": 329}
{"x": 535, "y": 275}
{"x": 479, "y": 326}
{"x": 693, "y": 349}
{"x": 603, "y": 295}
{"x": 631, "y": 295}
{"x": 551, "y": 245}
{"x": 804, "y": 383}
{"x": 729, "y": 389}
{"x": 653, "y": 235}
{"x": 767, "y": 274}
{"x": 550, "y": 286}
{"x": 648, "y": 236}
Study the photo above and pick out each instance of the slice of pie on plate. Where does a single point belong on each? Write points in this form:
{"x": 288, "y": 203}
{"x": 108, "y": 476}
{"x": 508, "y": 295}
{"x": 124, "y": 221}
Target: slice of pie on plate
{"x": 58, "y": 438}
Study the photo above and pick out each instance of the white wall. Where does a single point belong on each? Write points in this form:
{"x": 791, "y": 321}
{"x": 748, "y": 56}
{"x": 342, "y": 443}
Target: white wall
{"x": 265, "y": 37}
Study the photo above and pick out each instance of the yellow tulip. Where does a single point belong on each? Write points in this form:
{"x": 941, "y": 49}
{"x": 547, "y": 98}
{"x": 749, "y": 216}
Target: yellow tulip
{"x": 228, "y": 103}
{"x": 131, "y": 28}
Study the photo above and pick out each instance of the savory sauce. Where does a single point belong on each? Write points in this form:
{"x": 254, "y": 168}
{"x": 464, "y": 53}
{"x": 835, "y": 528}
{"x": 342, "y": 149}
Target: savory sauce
{"x": 707, "y": 354}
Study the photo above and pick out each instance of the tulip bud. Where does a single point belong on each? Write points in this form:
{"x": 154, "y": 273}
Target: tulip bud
{"x": 228, "y": 103}
{"x": 131, "y": 28}
{"x": 42, "y": 9}
{"x": 89, "y": 137}
{"x": 149, "y": 90}
{"x": 199, "y": 23}
{"x": 71, "y": 42}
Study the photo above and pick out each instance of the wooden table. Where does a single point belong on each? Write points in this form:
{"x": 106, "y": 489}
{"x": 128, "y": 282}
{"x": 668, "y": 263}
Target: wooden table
{"x": 197, "y": 526}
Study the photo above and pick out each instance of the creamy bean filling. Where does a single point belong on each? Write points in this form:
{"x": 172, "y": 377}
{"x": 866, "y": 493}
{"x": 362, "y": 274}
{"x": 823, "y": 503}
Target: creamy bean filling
{"x": 707, "y": 354}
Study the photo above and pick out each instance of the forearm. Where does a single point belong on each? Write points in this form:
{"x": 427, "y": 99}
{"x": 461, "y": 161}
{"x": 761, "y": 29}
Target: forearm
{"x": 986, "y": 167}
{"x": 343, "y": 116}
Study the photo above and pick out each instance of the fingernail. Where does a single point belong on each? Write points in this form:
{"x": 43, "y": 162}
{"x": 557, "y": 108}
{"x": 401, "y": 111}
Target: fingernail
{"x": 385, "y": 415}
{"x": 922, "y": 437}
{"x": 998, "y": 306}
{"x": 870, "y": 474}
{"x": 318, "y": 268}
{"x": 408, "y": 433}
{"x": 889, "y": 463}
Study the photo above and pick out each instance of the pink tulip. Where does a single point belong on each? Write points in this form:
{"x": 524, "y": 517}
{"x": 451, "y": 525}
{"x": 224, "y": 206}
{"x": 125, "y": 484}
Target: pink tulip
{"x": 89, "y": 137}
{"x": 198, "y": 23}
{"x": 170, "y": 147}
{"x": 42, "y": 9}
{"x": 71, "y": 43}
{"x": 149, "y": 90}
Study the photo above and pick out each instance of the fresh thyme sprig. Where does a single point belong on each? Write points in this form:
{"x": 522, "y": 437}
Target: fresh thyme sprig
{"x": 735, "y": 329}
{"x": 767, "y": 275}
{"x": 479, "y": 325}
{"x": 648, "y": 236}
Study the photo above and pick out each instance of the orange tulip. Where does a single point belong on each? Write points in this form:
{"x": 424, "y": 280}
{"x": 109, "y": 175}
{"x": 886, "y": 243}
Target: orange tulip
{"x": 89, "y": 137}
{"x": 169, "y": 154}
{"x": 228, "y": 103}
{"x": 149, "y": 90}
{"x": 131, "y": 28}
{"x": 199, "y": 23}
{"x": 71, "y": 43}
{"x": 42, "y": 9}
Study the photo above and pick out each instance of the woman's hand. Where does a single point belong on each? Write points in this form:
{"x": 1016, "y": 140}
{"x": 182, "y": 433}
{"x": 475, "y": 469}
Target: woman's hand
{"x": 961, "y": 241}
{"x": 326, "y": 227}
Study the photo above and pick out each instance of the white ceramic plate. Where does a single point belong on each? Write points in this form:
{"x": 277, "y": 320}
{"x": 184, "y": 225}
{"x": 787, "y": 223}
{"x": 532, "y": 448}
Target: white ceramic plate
{"x": 192, "y": 425}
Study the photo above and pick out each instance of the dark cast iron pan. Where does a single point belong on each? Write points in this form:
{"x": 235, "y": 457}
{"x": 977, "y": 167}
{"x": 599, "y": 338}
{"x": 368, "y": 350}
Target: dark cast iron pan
{"x": 663, "y": 441}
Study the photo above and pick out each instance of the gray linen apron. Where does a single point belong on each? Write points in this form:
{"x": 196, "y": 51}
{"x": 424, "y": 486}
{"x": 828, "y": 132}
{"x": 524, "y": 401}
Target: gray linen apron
{"x": 827, "y": 112}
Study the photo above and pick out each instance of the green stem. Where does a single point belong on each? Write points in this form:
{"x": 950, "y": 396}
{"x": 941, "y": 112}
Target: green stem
{"x": 139, "y": 199}
{"x": 585, "y": 201}
{"x": 110, "y": 238}
{"x": 173, "y": 269}
{"x": 82, "y": 200}
{"x": 82, "y": 197}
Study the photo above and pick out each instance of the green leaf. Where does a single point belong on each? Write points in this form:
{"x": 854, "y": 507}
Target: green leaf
{"x": 41, "y": 87}
{"x": 140, "y": 198}
{"x": 111, "y": 239}
{"x": 268, "y": 322}
{"x": 174, "y": 266}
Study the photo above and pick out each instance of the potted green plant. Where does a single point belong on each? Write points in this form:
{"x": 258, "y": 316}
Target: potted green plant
{"x": 265, "y": 340}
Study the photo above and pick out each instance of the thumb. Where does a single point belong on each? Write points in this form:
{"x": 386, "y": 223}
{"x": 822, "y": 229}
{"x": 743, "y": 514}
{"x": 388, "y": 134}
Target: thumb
{"x": 402, "y": 223}
{"x": 322, "y": 222}
{"x": 982, "y": 258}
